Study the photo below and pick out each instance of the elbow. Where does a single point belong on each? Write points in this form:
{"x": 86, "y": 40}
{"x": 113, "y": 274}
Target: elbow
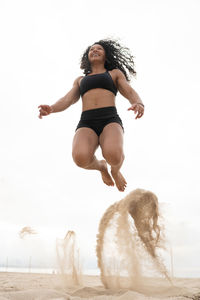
{"x": 76, "y": 99}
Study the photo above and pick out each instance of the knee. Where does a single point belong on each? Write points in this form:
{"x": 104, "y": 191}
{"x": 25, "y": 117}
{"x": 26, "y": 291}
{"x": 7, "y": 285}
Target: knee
{"x": 113, "y": 157}
{"x": 81, "y": 159}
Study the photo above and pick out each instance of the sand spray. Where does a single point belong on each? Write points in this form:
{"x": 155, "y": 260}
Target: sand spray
{"x": 27, "y": 230}
{"x": 68, "y": 260}
{"x": 129, "y": 241}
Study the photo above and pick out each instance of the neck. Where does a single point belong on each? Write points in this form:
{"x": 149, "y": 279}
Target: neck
{"x": 97, "y": 68}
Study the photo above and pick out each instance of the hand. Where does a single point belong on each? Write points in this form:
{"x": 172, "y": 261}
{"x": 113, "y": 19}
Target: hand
{"x": 138, "y": 110}
{"x": 44, "y": 110}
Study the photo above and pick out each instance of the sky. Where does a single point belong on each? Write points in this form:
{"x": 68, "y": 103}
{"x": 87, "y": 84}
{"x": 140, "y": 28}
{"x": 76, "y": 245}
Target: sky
{"x": 40, "y": 186}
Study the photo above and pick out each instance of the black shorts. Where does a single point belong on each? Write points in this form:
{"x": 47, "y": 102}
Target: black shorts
{"x": 98, "y": 118}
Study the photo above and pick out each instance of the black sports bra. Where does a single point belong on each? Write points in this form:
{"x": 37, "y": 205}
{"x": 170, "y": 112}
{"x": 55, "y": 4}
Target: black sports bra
{"x": 102, "y": 81}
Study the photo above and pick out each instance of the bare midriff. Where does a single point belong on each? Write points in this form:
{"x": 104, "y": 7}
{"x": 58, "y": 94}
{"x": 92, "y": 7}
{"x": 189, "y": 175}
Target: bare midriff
{"x": 97, "y": 98}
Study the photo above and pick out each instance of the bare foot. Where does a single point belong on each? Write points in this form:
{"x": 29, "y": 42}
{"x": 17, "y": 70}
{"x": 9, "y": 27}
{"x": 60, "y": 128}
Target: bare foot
{"x": 119, "y": 180}
{"x": 107, "y": 179}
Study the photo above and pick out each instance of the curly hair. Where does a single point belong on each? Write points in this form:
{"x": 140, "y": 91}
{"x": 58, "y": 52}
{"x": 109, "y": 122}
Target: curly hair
{"x": 117, "y": 57}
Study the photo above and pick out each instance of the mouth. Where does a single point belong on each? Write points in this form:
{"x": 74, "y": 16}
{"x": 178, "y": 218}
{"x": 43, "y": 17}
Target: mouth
{"x": 95, "y": 55}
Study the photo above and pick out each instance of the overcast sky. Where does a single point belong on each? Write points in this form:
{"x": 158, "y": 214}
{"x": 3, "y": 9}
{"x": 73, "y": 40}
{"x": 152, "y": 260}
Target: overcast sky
{"x": 40, "y": 186}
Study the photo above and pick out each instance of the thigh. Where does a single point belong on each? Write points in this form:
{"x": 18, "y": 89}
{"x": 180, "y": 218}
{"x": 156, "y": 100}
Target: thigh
{"x": 85, "y": 141}
{"x": 111, "y": 137}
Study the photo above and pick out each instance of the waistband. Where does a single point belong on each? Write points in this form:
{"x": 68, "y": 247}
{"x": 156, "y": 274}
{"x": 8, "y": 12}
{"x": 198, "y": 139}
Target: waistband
{"x": 99, "y": 113}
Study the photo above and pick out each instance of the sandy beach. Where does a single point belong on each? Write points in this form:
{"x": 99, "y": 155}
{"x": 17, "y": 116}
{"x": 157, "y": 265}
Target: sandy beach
{"x": 23, "y": 286}
{"x": 128, "y": 244}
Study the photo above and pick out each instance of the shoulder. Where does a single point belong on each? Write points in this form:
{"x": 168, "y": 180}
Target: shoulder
{"x": 118, "y": 77}
{"x": 78, "y": 80}
{"x": 117, "y": 74}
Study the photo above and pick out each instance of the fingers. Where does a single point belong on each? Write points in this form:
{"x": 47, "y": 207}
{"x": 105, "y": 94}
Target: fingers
{"x": 40, "y": 114}
{"x": 44, "y": 110}
{"x": 139, "y": 115}
{"x": 133, "y": 107}
{"x": 138, "y": 110}
{"x": 45, "y": 107}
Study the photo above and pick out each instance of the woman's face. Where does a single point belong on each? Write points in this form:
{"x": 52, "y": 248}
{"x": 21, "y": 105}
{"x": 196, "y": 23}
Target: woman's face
{"x": 96, "y": 54}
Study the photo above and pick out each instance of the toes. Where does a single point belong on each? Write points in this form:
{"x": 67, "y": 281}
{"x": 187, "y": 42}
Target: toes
{"x": 107, "y": 178}
{"x": 119, "y": 181}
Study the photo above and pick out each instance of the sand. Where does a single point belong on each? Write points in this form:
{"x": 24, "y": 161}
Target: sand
{"x": 26, "y": 286}
{"x": 129, "y": 243}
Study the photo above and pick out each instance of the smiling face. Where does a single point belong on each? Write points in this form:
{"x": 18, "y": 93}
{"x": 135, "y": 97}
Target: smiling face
{"x": 96, "y": 54}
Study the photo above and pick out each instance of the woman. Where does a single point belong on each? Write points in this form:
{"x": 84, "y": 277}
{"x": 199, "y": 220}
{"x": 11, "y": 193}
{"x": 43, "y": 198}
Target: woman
{"x": 105, "y": 66}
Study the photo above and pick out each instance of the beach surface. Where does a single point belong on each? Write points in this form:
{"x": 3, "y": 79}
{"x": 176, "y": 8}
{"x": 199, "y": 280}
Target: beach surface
{"x": 27, "y": 286}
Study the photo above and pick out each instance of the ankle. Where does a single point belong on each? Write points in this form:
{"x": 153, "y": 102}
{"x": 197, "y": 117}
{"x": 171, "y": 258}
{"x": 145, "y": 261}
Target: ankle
{"x": 114, "y": 170}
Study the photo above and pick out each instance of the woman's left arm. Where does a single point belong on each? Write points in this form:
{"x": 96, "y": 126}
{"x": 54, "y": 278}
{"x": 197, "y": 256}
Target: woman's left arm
{"x": 129, "y": 93}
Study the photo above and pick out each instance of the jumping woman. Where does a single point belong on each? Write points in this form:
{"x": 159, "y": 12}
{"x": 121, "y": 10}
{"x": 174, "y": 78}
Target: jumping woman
{"x": 107, "y": 67}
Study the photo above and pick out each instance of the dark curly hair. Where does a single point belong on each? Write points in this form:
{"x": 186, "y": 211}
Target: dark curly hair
{"x": 117, "y": 57}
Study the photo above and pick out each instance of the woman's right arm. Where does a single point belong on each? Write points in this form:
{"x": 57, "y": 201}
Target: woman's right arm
{"x": 70, "y": 98}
